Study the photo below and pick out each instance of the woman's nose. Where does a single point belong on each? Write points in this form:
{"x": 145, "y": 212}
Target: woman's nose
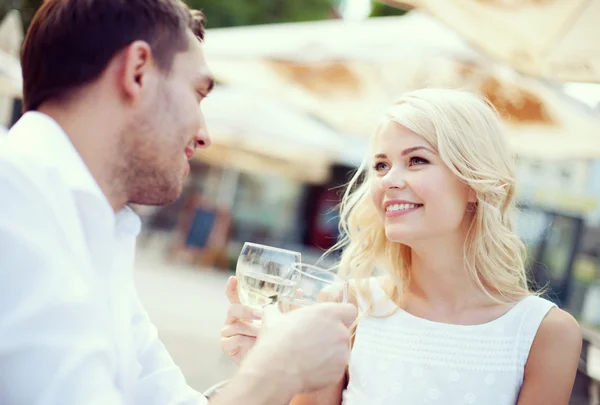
{"x": 394, "y": 179}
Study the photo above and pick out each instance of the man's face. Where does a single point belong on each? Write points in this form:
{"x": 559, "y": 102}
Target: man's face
{"x": 167, "y": 128}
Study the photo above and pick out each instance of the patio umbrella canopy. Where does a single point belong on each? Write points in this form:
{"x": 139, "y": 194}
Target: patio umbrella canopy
{"x": 346, "y": 74}
{"x": 11, "y": 82}
{"x": 341, "y": 72}
{"x": 11, "y": 37}
{"x": 11, "y": 33}
{"x": 554, "y": 39}
{"x": 255, "y": 133}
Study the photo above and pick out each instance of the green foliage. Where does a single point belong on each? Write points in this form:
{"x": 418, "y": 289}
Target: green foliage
{"x": 249, "y": 12}
{"x": 381, "y": 10}
{"x": 227, "y": 13}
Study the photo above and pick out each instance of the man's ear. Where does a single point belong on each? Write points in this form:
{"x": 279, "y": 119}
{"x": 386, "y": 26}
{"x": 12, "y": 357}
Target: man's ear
{"x": 135, "y": 74}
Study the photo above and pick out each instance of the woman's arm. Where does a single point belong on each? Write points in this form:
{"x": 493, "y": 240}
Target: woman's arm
{"x": 328, "y": 396}
{"x": 553, "y": 360}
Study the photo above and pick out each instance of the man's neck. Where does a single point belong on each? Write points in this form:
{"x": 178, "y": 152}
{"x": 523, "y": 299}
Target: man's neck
{"x": 96, "y": 141}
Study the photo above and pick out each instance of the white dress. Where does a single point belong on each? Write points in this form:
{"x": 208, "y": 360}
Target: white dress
{"x": 406, "y": 360}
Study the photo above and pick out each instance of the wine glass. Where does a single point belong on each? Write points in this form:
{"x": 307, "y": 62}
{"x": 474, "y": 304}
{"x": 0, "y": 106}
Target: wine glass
{"x": 313, "y": 284}
{"x": 264, "y": 273}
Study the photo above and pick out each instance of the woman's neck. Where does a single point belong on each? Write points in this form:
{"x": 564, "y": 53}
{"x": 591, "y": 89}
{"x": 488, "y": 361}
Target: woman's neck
{"x": 439, "y": 275}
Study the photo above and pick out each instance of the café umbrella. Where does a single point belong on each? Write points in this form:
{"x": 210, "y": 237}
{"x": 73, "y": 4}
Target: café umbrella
{"x": 552, "y": 39}
{"x": 349, "y": 86}
{"x": 253, "y": 133}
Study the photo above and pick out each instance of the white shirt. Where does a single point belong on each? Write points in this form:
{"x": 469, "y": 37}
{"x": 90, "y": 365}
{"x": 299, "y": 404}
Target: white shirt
{"x": 404, "y": 359}
{"x": 72, "y": 330}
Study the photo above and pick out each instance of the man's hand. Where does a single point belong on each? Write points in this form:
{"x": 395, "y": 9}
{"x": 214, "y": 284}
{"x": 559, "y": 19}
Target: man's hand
{"x": 305, "y": 350}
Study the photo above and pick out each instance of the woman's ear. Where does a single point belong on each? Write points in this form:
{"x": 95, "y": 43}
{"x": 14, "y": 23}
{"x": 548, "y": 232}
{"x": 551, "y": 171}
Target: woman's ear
{"x": 472, "y": 201}
{"x": 472, "y": 197}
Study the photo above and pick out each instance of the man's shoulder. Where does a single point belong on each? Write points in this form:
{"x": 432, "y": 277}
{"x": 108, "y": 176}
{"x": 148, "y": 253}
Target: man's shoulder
{"x": 26, "y": 183}
{"x": 21, "y": 168}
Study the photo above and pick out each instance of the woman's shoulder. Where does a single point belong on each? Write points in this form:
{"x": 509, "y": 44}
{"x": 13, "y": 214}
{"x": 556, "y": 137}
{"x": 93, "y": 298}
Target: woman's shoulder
{"x": 558, "y": 330}
{"x": 554, "y": 356}
{"x": 543, "y": 321}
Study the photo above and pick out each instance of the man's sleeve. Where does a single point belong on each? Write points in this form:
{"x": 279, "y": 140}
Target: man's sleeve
{"x": 52, "y": 347}
{"x": 161, "y": 381}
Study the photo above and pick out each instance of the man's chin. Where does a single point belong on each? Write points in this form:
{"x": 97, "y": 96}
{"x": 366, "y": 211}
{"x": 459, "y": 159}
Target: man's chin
{"x": 158, "y": 198}
{"x": 170, "y": 198}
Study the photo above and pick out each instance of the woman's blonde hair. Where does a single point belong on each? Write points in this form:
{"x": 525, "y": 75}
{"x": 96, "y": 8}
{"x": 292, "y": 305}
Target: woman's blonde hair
{"x": 465, "y": 130}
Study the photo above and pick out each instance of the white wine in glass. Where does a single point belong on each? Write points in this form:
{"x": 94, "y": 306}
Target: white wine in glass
{"x": 264, "y": 273}
{"x": 313, "y": 285}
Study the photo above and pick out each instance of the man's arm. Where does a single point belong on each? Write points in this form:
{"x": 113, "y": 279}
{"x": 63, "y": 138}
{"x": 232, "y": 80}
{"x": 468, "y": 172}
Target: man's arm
{"x": 52, "y": 349}
{"x": 249, "y": 387}
{"x": 329, "y": 396}
{"x": 161, "y": 382}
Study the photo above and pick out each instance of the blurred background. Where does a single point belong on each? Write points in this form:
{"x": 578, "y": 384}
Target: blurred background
{"x": 300, "y": 87}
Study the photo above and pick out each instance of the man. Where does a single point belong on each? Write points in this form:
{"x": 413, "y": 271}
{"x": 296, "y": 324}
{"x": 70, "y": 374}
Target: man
{"x": 111, "y": 92}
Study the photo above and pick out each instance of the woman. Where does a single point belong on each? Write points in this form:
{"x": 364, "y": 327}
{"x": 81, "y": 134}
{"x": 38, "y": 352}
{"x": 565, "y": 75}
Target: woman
{"x": 451, "y": 320}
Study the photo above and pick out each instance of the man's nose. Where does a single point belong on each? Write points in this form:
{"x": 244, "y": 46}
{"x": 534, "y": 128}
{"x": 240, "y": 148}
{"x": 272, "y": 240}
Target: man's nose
{"x": 202, "y": 138}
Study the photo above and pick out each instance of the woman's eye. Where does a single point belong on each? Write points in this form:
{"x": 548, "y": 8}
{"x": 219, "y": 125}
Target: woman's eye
{"x": 379, "y": 166}
{"x": 415, "y": 160}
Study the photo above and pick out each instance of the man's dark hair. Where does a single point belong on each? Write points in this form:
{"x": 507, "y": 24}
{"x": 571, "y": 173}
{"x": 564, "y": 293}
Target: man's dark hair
{"x": 70, "y": 42}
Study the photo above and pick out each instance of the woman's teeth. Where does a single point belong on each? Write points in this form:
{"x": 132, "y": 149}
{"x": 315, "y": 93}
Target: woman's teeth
{"x": 399, "y": 207}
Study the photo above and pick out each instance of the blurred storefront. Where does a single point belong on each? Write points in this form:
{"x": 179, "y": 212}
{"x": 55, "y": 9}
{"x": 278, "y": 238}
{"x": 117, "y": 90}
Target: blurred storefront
{"x": 560, "y": 224}
{"x": 268, "y": 208}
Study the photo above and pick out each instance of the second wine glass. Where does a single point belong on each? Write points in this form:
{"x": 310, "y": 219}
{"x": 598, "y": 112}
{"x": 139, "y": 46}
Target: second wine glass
{"x": 313, "y": 284}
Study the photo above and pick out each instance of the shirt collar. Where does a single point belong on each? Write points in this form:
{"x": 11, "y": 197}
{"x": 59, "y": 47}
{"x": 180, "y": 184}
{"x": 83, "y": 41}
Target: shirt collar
{"x": 127, "y": 222}
{"x": 39, "y": 136}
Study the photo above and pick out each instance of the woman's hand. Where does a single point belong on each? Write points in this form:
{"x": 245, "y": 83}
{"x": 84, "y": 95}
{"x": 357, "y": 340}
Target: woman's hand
{"x": 239, "y": 334}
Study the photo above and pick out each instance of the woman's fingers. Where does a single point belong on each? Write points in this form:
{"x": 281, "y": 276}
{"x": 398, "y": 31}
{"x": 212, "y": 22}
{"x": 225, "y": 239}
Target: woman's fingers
{"x": 239, "y": 334}
{"x": 239, "y": 312}
{"x": 231, "y": 291}
{"x": 240, "y": 328}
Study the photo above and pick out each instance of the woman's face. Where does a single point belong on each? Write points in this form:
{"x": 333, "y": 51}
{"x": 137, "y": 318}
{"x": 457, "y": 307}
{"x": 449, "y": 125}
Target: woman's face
{"x": 416, "y": 195}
